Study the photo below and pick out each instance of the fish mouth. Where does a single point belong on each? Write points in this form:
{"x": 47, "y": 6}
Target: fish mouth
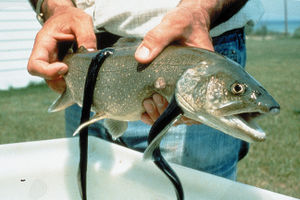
{"x": 250, "y": 116}
{"x": 244, "y": 126}
{"x": 241, "y": 124}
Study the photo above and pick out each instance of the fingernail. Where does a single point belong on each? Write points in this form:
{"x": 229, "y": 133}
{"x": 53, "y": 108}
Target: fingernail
{"x": 143, "y": 52}
{"x": 62, "y": 71}
{"x": 146, "y": 119}
{"x": 159, "y": 101}
{"x": 149, "y": 107}
{"x": 91, "y": 49}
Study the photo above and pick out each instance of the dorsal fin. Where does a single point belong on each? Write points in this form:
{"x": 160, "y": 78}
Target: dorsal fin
{"x": 82, "y": 49}
{"x": 127, "y": 42}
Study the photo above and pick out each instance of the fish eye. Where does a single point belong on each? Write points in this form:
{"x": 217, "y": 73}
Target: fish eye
{"x": 238, "y": 88}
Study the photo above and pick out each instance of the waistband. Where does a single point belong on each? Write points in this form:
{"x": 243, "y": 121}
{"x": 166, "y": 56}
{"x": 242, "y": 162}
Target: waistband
{"x": 106, "y": 39}
{"x": 228, "y": 36}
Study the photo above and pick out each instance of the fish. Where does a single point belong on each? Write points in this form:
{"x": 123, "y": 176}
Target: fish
{"x": 199, "y": 84}
{"x": 209, "y": 88}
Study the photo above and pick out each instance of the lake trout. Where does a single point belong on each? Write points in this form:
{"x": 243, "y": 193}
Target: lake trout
{"x": 199, "y": 84}
{"x": 208, "y": 87}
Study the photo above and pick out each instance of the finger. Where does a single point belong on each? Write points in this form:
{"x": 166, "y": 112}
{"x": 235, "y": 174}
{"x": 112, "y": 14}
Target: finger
{"x": 146, "y": 119}
{"x": 150, "y": 109}
{"x": 186, "y": 121}
{"x": 156, "y": 40}
{"x": 45, "y": 46}
{"x": 160, "y": 103}
{"x": 84, "y": 33}
{"x": 179, "y": 122}
{"x": 47, "y": 71}
{"x": 58, "y": 85}
{"x": 178, "y": 25}
{"x": 45, "y": 51}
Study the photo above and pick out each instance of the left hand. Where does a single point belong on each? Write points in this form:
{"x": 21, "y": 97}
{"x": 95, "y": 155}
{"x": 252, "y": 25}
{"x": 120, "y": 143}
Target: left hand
{"x": 187, "y": 24}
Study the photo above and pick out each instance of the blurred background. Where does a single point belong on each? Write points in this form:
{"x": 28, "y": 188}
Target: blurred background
{"x": 273, "y": 50}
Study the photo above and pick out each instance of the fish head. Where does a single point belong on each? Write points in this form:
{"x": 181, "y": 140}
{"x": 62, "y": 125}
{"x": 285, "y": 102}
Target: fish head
{"x": 221, "y": 94}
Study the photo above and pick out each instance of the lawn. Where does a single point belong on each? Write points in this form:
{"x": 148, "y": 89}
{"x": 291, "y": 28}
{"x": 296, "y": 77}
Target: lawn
{"x": 273, "y": 164}
{"x": 24, "y": 115}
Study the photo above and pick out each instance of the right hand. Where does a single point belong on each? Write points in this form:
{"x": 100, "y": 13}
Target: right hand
{"x": 187, "y": 24}
{"x": 66, "y": 24}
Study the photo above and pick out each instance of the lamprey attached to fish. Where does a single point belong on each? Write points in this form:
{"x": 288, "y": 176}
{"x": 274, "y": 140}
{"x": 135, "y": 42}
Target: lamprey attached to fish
{"x": 89, "y": 89}
{"x": 206, "y": 86}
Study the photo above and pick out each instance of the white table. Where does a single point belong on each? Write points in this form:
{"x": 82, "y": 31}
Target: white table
{"x": 47, "y": 170}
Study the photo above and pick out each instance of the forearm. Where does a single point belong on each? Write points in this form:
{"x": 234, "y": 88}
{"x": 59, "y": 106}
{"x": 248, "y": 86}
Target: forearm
{"x": 215, "y": 11}
{"x": 49, "y": 6}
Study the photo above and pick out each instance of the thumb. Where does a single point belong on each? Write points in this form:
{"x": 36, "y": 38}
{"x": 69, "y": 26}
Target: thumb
{"x": 154, "y": 42}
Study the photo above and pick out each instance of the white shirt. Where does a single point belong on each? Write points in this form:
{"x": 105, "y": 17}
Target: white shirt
{"x": 134, "y": 18}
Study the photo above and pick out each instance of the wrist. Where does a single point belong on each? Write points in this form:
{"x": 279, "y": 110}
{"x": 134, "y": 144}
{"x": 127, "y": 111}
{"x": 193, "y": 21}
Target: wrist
{"x": 216, "y": 11}
{"x": 49, "y": 7}
{"x": 199, "y": 11}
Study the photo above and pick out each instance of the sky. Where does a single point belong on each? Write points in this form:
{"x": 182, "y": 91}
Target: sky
{"x": 274, "y": 9}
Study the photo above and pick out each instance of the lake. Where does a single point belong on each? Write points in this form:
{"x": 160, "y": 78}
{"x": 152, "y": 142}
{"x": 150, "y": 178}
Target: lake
{"x": 278, "y": 26}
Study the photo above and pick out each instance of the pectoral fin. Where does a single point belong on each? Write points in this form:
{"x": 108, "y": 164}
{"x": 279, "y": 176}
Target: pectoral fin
{"x": 161, "y": 127}
{"x": 158, "y": 130}
{"x": 62, "y": 102}
{"x": 156, "y": 141}
{"x": 95, "y": 118}
{"x": 115, "y": 128}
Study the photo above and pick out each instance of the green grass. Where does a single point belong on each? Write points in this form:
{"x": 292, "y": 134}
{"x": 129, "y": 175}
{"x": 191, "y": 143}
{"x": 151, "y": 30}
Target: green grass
{"x": 24, "y": 116}
{"x": 273, "y": 164}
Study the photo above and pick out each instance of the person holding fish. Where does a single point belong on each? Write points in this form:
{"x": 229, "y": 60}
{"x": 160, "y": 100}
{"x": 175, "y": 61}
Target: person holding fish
{"x": 216, "y": 25}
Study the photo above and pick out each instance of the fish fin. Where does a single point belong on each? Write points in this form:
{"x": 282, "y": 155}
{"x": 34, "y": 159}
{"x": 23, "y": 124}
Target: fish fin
{"x": 156, "y": 141}
{"x": 127, "y": 42}
{"x": 140, "y": 67}
{"x": 115, "y": 128}
{"x": 95, "y": 118}
{"x": 82, "y": 49}
{"x": 62, "y": 102}
{"x": 154, "y": 144}
{"x": 161, "y": 126}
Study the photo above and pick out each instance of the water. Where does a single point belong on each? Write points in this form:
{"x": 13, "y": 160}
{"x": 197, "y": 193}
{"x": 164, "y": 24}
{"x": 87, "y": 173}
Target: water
{"x": 278, "y": 26}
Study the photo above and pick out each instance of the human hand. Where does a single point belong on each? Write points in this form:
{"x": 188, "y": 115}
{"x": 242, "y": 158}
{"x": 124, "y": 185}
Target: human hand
{"x": 187, "y": 24}
{"x": 155, "y": 106}
{"x": 66, "y": 23}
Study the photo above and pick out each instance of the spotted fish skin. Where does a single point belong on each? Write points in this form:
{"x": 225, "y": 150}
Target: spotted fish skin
{"x": 120, "y": 88}
{"x": 202, "y": 82}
